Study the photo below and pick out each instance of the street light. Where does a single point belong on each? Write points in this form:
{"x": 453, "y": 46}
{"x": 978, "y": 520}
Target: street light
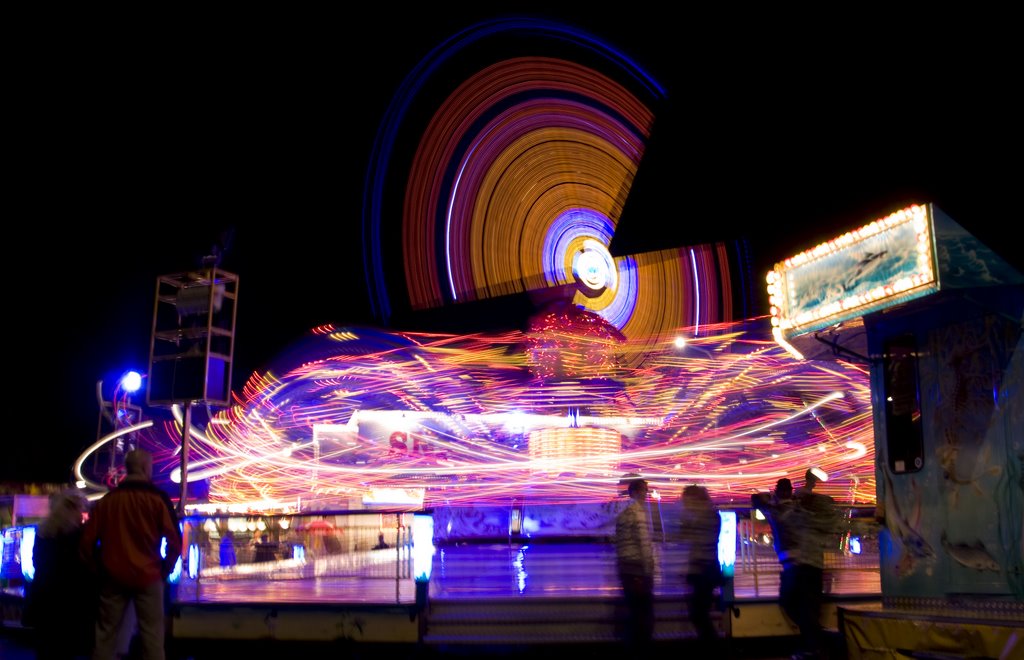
{"x": 119, "y": 412}
{"x": 131, "y": 381}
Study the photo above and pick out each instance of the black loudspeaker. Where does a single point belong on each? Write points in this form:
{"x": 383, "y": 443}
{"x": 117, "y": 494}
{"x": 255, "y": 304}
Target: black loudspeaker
{"x": 192, "y": 378}
{"x": 903, "y": 433}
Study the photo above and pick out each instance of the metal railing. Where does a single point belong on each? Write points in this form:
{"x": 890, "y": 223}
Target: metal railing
{"x": 851, "y": 564}
{"x": 339, "y": 556}
{"x": 259, "y": 549}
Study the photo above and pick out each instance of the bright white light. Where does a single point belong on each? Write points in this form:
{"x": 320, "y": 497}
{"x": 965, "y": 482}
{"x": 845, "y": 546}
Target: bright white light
{"x": 727, "y": 543}
{"x": 859, "y": 450}
{"x": 682, "y": 342}
{"x": 594, "y": 266}
{"x": 28, "y": 542}
{"x": 820, "y": 474}
{"x": 176, "y": 573}
{"x": 131, "y": 382}
{"x": 422, "y": 546}
{"x": 193, "y": 561}
{"x": 396, "y": 496}
{"x": 781, "y": 341}
{"x": 516, "y": 423}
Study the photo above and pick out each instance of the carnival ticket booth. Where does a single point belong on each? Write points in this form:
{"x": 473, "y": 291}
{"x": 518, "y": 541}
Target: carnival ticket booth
{"x": 937, "y": 317}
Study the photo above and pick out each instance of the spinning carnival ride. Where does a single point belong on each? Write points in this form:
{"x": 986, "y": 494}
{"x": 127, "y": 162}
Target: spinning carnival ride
{"x": 546, "y": 415}
{"x": 514, "y": 187}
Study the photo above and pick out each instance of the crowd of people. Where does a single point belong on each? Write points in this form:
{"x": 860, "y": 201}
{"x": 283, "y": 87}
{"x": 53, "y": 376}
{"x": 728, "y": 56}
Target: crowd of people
{"x": 803, "y": 523}
{"x": 102, "y": 581}
{"x": 101, "y": 572}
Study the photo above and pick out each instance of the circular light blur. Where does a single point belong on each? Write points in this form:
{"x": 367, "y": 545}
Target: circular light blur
{"x": 131, "y": 381}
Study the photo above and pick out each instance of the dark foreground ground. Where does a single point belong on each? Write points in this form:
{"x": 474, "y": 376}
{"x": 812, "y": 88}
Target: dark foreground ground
{"x": 15, "y": 644}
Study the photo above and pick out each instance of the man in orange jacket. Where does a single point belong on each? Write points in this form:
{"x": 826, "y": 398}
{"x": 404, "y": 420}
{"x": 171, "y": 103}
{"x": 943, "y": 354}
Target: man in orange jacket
{"x": 122, "y": 541}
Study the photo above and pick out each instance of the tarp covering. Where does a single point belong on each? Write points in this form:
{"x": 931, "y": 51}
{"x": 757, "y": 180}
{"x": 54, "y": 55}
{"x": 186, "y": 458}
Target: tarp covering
{"x": 902, "y": 634}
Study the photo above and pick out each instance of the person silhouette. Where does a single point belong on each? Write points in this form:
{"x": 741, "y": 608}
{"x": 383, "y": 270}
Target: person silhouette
{"x": 226, "y": 549}
{"x": 122, "y": 541}
{"x": 778, "y": 508}
{"x": 701, "y": 527}
{"x": 816, "y": 521}
{"x": 634, "y": 554}
{"x": 60, "y": 602}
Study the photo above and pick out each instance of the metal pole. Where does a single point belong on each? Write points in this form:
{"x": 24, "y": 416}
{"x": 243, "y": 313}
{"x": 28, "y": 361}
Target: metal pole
{"x": 186, "y": 426}
{"x": 398, "y": 558}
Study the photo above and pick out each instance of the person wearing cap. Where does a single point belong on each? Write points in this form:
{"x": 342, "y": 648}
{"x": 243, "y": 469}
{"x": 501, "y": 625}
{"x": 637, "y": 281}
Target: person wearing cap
{"x": 817, "y": 522}
{"x": 634, "y": 554}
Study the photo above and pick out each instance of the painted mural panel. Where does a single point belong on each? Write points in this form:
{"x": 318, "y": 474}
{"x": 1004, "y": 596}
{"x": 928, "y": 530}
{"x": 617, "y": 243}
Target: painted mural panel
{"x": 885, "y": 262}
{"x": 955, "y": 527}
{"x": 964, "y": 261}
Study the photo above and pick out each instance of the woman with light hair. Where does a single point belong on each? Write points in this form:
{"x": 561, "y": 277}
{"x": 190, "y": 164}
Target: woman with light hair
{"x": 61, "y": 599}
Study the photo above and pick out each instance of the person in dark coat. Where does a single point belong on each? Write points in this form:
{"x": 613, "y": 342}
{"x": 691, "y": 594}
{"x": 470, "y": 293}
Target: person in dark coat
{"x": 701, "y": 527}
{"x": 123, "y": 541}
{"x": 779, "y": 508}
{"x": 61, "y": 600}
{"x": 819, "y": 522}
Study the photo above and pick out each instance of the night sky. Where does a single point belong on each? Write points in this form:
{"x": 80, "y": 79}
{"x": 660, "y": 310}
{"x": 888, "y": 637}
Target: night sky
{"x": 136, "y": 152}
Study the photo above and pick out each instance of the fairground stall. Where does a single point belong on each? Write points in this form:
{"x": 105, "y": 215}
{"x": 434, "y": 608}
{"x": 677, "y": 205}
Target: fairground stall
{"x": 936, "y": 315}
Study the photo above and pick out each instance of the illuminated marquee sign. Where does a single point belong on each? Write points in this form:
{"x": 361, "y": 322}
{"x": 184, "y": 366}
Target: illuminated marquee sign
{"x": 889, "y": 261}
